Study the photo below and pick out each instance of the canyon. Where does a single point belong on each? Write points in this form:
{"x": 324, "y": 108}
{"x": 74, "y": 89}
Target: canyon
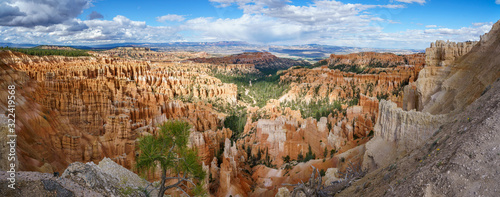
{"x": 376, "y": 110}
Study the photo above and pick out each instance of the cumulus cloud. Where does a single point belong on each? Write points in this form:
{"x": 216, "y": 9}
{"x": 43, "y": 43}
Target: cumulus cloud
{"x": 170, "y": 17}
{"x": 253, "y": 28}
{"x": 263, "y": 21}
{"x": 322, "y": 22}
{"x": 497, "y": 2}
{"x": 422, "y": 38}
{"x": 76, "y": 31}
{"x": 413, "y": 1}
{"x": 94, "y": 15}
{"x": 271, "y": 21}
{"x": 30, "y": 13}
{"x": 9, "y": 13}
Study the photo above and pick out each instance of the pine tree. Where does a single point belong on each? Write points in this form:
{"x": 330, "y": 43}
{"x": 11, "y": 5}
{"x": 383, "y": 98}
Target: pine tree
{"x": 169, "y": 150}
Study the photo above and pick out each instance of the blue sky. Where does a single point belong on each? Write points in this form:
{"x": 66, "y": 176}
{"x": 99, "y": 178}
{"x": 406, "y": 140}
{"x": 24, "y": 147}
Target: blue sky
{"x": 368, "y": 23}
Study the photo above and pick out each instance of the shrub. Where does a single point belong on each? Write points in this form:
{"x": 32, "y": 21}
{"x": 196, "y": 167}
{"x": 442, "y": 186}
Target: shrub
{"x": 169, "y": 151}
{"x": 286, "y": 159}
{"x": 322, "y": 172}
{"x": 236, "y": 122}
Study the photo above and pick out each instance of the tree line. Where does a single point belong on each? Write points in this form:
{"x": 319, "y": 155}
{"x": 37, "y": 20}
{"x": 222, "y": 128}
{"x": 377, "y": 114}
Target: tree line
{"x": 47, "y": 52}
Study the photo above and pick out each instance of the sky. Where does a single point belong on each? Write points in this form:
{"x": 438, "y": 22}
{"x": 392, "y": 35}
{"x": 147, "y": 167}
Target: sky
{"x": 406, "y": 24}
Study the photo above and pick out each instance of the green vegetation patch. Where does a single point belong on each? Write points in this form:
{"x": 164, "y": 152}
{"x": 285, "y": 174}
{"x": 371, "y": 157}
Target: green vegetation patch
{"x": 256, "y": 89}
{"x": 236, "y": 122}
{"x": 316, "y": 109}
{"x": 46, "y": 52}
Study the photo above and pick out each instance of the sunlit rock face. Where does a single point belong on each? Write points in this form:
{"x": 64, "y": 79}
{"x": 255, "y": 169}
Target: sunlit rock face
{"x": 87, "y": 108}
{"x": 261, "y": 60}
{"x": 456, "y": 74}
{"x": 365, "y": 59}
{"x": 95, "y": 107}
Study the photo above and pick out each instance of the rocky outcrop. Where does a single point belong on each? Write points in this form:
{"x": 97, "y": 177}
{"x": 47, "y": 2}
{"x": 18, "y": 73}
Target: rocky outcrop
{"x": 443, "y": 53}
{"x": 261, "y": 60}
{"x": 147, "y": 54}
{"x": 407, "y": 128}
{"x": 209, "y": 143}
{"x": 455, "y": 78}
{"x": 321, "y": 83}
{"x": 452, "y": 80}
{"x": 283, "y": 192}
{"x": 331, "y": 176}
{"x": 439, "y": 57}
{"x": 288, "y": 135}
{"x": 374, "y": 59}
{"x": 232, "y": 182}
{"x": 398, "y": 132}
{"x": 87, "y": 108}
{"x": 53, "y": 47}
{"x": 462, "y": 159}
{"x": 79, "y": 179}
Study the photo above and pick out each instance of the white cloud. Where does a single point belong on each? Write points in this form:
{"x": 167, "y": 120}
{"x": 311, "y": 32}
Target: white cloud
{"x": 253, "y": 28}
{"x": 170, "y": 17}
{"x": 264, "y": 21}
{"x": 422, "y": 38}
{"x": 29, "y": 13}
{"x": 497, "y": 2}
{"x": 323, "y": 22}
{"x": 275, "y": 21}
{"x": 76, "y": 31}
{"x": 414, "y": 1}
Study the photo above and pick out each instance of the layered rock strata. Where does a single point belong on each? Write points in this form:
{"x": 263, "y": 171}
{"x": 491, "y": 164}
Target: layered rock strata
{"x": 398, "y": 132}
{"x": 364, "y": 59}
{"x": 85, "y": 109}
{"x": 261, "y": 60}
{"x": 456, "y": 75}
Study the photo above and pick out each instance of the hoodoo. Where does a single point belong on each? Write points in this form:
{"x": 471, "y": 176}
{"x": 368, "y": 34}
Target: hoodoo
{"x": 326, "y": 98}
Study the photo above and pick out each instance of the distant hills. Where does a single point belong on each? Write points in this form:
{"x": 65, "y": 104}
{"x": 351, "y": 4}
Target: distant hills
{"x": 310, "y": 52}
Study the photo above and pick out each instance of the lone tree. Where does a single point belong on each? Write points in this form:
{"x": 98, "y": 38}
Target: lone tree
{"x": 169, "y": 151}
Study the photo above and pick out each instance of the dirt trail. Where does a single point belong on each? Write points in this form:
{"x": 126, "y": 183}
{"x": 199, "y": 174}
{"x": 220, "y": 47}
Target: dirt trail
{"x": 246, "y": 93}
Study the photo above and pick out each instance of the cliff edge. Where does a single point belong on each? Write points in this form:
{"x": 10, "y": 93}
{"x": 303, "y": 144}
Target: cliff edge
{"x": 447, "y": 145}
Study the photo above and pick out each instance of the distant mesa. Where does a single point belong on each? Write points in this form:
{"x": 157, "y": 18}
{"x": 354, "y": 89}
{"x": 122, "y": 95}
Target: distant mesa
{"x": 261, "y": 60}
{"x": 54, "y": 47}
{"x": 372, "y": 62}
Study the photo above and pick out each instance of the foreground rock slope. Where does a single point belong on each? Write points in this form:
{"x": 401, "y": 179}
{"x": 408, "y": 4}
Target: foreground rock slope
{"x": 79, "y": 179}
{"x": 450, "y": 146}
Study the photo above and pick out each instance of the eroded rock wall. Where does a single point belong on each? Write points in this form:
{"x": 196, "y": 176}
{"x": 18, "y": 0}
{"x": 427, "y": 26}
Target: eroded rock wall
{"x": 323, "y": 83}
{"x": 87, "y": 108}
{"x": 398, "y": 132}
{"x": 442, "y": 53}
{"x": 261, "y": 60}
{"x": 456, "y": 75}
{"x": 364, "y": 59}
